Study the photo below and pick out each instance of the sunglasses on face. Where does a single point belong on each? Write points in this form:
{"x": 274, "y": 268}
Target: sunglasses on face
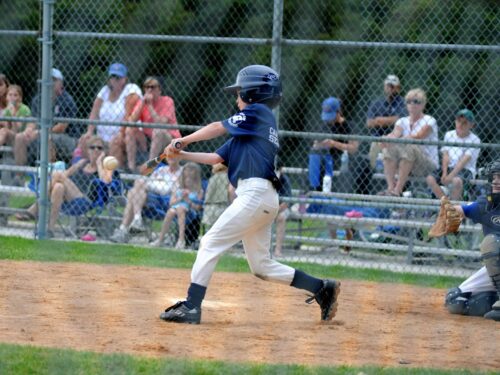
{"x": 414, "y": 101}
{"x": 100, "y": 148}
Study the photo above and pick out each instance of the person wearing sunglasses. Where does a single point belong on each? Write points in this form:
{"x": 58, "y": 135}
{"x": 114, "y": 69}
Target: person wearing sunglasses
{"x": 403, "y": 160}
{"x": 114, "y": 102}
{"x": 155, "y": 108}
{"x": 75, "y": 185}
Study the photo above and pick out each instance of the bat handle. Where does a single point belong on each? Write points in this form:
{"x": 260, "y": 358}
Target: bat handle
{"x": 177, "y": 145}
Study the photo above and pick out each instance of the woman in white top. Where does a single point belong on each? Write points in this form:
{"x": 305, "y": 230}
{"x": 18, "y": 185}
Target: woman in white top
{"x": 405, "y": 159}
{"x": 114, "y": 102}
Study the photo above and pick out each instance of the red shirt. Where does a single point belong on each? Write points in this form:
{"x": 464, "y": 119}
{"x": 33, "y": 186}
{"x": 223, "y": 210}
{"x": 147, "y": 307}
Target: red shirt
{"x": 164, "y": 107}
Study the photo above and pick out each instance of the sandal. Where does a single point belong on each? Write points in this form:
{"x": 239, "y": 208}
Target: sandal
{"x": 25, "y": 216}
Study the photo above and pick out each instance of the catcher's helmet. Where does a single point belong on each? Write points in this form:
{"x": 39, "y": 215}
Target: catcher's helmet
{"x": 258, "y": 84}
{"x": 492, "y": 197}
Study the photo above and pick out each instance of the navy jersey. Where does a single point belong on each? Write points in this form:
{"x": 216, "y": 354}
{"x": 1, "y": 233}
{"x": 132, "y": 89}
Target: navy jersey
{"x": 252, "y": 148}
{"x": 383, "y": 108}
{"x": 489, "y": 219}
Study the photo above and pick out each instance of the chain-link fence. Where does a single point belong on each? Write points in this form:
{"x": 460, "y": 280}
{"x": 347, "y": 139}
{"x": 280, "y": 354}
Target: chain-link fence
{"x": 135, "y": 73}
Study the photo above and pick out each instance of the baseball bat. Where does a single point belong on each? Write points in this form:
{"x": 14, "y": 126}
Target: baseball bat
{"x": 151, "y": 164}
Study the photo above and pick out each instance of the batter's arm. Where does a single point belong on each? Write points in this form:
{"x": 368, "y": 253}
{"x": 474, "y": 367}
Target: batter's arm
{"x": 210, "y": 131}
{"x": 200, "y": 157}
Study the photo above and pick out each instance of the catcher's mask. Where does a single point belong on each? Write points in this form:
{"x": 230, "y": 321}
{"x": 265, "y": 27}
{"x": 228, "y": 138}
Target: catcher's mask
{"x": 258, "y": 84}
{"x": 493, "y": 197}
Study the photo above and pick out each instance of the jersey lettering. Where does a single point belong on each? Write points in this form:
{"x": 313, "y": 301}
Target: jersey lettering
{"x": 273, "y": 137}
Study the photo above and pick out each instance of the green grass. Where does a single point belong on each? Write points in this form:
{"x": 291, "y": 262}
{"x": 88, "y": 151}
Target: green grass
{"x": 16, "y": 359}
{"x": 15, "y": 248}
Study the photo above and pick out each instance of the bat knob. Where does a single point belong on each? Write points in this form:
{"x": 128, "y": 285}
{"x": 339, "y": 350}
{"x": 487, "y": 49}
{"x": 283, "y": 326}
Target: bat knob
{"x": 177, "y": 145}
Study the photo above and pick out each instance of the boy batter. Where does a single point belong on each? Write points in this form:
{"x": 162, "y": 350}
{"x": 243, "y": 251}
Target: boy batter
{"x": 249, "y": 155}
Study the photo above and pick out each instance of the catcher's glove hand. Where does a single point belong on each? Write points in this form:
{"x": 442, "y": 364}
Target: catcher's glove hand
{"x": 448, "y": 220}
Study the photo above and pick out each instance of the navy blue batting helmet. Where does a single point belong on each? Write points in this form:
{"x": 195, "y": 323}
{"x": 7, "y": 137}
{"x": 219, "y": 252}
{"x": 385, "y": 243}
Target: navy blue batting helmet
{"x": 258, "y": 84}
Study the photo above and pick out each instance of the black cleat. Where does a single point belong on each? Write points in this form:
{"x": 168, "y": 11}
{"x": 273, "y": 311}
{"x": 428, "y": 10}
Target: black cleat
{"x": 179, "y": 313}
{"x": 494, "y": 314}
{"x": 327, "y": 298}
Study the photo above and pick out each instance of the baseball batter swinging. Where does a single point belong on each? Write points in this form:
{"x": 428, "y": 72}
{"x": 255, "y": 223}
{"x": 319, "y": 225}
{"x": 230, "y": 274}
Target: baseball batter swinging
{"x": 249, "y": 155}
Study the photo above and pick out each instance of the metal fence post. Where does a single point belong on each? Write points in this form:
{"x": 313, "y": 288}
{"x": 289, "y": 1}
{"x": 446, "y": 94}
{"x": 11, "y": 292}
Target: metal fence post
{"x": 276, "y": 45}
{"x": 46, "y": 114}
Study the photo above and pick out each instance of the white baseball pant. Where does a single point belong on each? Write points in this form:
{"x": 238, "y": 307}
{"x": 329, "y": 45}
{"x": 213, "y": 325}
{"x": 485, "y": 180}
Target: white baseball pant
{"x": 249, "y": 218}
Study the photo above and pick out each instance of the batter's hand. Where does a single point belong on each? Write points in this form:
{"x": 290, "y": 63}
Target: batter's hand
{"x": 171, "y": 152}
{"x": 178, "y": 144}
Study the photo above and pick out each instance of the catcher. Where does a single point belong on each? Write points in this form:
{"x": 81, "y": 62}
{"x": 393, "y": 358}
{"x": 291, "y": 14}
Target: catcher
{"x": 479, "y": 294}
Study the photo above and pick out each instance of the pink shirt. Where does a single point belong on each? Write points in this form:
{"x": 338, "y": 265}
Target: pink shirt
{"x": 164, "y": 107}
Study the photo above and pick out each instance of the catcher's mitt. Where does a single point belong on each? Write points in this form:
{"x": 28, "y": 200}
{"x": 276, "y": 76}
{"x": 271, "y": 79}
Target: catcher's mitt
{"x": 448, "y": 220}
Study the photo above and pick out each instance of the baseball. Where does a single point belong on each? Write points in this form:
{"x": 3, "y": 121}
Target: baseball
{"x": 110, "y": 163}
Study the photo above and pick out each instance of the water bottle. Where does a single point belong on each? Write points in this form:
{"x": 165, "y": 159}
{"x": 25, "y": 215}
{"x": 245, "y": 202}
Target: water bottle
{"x": 344, "y": 162}
{"x": 327, "y": 184}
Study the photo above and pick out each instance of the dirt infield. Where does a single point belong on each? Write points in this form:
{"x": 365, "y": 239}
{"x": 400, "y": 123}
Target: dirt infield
{"x": 115, "y": 309}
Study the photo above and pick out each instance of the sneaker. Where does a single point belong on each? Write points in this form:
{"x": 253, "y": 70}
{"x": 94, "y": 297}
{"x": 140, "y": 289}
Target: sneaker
{"x": 137, "y": 225}
{"x": 179, "y": 313}
{"x": 156, "y": 243}
{"x": 119, "y": 236}
{"x": 181, "y": 244}
{"x": 327, "y": 298}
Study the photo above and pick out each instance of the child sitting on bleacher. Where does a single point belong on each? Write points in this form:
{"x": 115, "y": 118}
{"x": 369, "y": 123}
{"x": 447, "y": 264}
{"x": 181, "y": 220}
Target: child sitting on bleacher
{"x": 458, "y": 164}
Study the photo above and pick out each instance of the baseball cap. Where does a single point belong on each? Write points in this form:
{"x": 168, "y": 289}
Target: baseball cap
{"x": 117, "y": 69}
{"x": 330, "y": 108}
{"x": 467, "y": 114}
{"x": 56, "y": 73}
{"x": 392, "y": 79}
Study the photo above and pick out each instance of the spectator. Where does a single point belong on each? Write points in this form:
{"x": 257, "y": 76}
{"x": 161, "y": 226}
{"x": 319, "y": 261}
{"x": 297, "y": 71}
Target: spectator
{"x": 384, "y": 112}
{"x": 332, "y": 115}
{"x": 63, "y": 137}
{"x": 320, "y": 158}
{"x": 406, "y": 159}
{"x": 186, "y": 203}
{"x": 458, "y": 164}
{"x": 154, "y": 108}
{"x": 218, "y": 195}
{"x": 162, "y": 181}
{"x": 114, "y": 103}
{"x": 76, "y": 184}
{"x": 283, "y": 211}
{"x": 4, "y": 85}
{"x": 15, "y": 108}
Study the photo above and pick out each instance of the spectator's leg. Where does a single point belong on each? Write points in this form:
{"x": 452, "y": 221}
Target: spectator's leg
{"x": 117, "y": 148}
{"x": 457, "y": 189}
{"x": 134, "y": 138}
{"x": 56, "y": 201}
{"x": 390, "y": 167}
{"x": 436, "y": 189}
{"x": 405, "y": 167}
{"x": 161, "y": 139}
{"x": 171, "y": 213}
{"x": 21, "y": 143}
{"x": 314, "y": 171}
{"x": 140, "y": 196}
{"x": 181, "y": 221}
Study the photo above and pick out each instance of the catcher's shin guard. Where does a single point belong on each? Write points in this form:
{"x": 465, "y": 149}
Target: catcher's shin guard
{"x": 490, "y": 254}
{"x": 327, "y": 298}
{"x": 478, "y": 304}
